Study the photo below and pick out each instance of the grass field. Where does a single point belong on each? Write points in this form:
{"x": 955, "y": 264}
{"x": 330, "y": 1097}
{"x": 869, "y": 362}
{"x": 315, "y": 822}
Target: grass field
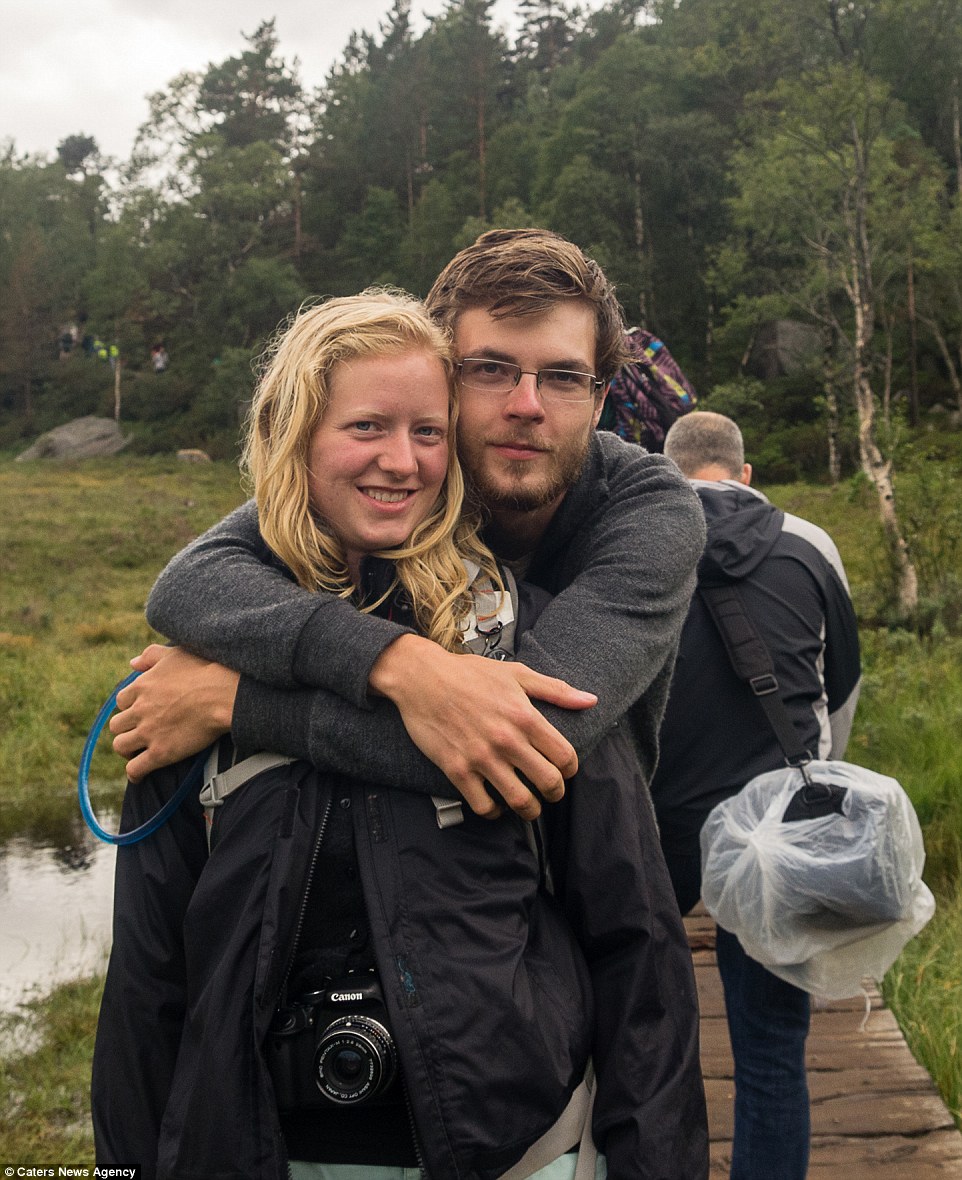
{"x": 79, "y": 547}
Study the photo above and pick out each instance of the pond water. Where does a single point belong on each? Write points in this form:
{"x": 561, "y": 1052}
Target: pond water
{"x": 55, "y": 911}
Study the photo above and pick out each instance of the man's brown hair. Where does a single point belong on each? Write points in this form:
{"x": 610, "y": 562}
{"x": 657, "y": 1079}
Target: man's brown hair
{"x": 518, "y": 272}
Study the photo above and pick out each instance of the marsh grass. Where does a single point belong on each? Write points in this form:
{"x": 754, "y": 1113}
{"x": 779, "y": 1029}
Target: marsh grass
{"x": 44, "y": 1090}
{"x": 924, "y": 990}
{"x": 909, "y": 725}
{"x": 80, "y": 545}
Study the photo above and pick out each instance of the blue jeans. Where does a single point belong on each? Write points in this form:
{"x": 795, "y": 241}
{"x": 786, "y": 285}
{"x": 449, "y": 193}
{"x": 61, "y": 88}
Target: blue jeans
{"x": 768, "y": 1024}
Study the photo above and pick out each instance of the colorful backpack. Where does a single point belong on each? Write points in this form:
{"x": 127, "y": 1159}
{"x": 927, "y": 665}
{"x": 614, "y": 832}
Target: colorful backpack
{"x": 648, "y": 394}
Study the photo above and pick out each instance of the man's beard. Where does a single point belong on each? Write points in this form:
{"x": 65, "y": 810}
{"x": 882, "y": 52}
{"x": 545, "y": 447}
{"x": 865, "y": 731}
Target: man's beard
{"x": 494, "y": 494}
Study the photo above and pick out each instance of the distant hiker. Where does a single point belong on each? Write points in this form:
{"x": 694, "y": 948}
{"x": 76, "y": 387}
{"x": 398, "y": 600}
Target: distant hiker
{"x": 791, "y": 578}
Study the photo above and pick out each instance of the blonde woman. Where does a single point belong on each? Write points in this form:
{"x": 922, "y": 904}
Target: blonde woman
{"x": 359, "y": 983}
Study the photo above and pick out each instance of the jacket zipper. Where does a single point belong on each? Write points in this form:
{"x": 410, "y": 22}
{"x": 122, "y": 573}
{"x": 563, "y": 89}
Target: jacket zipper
{"x": 302, "y": 912}
{"x": 299, "y": 926}
{"x": 418, "y": 1153}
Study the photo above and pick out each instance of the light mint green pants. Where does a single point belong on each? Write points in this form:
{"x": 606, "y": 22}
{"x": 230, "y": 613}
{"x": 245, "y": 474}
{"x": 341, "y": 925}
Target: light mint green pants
{"x": 560, "y": 1169}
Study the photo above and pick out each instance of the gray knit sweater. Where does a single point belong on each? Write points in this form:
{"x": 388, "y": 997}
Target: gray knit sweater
{"x": 619, "y": 555}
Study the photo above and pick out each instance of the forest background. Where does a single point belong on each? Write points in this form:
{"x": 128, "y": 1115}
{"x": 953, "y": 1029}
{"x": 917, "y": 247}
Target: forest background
{"x": 736, "y": 166}
{"x": 728, "y": 162}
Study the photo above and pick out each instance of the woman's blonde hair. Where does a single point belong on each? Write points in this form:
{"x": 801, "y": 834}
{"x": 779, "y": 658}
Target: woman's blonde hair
{"x": 291, "y": 396}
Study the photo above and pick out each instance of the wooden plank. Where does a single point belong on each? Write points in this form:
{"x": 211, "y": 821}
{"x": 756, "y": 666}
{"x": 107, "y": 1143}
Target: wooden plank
{"x": 936, "y": 1156}
{"x": 891, "y": 1157}
{"x": 876, "y": 1114}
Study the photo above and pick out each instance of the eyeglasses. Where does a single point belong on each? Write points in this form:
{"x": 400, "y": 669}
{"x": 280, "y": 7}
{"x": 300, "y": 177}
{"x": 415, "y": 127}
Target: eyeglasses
{"x": 501, "y": 377}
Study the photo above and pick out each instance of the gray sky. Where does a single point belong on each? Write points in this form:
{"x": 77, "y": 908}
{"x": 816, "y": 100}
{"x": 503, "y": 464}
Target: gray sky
{"x": 70, "y": 68}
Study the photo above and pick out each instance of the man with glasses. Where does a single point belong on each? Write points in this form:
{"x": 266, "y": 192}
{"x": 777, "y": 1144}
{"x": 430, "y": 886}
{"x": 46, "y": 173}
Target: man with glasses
{"x": 613, "y": 532}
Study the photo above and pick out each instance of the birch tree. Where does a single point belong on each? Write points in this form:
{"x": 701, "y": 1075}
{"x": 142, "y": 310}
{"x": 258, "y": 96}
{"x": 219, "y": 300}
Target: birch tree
{"x": 824, "y": 209}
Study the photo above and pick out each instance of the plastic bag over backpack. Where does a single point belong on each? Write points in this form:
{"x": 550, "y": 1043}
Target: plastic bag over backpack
{"x": 821, "y": 902}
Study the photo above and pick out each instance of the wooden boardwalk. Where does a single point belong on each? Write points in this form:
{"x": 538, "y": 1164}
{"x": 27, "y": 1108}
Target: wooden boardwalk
{"x": 876, "y": 1114}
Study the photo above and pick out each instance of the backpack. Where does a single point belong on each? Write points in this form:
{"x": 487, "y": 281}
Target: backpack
{"x": 648, "y": 393}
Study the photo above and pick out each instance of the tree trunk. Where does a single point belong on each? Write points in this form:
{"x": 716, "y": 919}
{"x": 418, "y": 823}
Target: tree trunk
{"x": 118, "y": 364}
{"x": 957, "y": 132}
{"x": 482, "y": 163}
{"x": 28, "y": 399}
{"x": 298, "y": 213}
{"x": 877, "y": 468}
{"x": 831, "y": 413}
{"x": 639, "y": 228}
{"x": 831, "y": 408}
{"x": 887, "y": 377}
{"x": 913, "y": 346}
{"x": 879, "y": 471}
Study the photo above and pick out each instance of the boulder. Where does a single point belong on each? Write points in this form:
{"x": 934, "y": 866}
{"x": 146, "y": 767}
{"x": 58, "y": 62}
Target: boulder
{"x": 783, "y": 347}
{"x": 193, "y": 455}
{"x": 83, "y": 438}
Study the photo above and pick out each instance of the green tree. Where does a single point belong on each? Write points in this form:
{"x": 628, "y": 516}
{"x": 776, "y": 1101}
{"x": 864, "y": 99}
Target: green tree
{"x": 823, "y": 204}
{"x": 78, "y": 153}
{"x": 214, "y": 233}
{"x": 468, "y": 67}
{"x": 254, "y": 97}
{"x": 47, "y": 244}
{"x": 372, "y": 238}
{"x": 652, "y": 171}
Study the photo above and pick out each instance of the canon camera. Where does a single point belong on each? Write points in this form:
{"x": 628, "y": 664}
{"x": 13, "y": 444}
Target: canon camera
{"x": 332, "y": 1045}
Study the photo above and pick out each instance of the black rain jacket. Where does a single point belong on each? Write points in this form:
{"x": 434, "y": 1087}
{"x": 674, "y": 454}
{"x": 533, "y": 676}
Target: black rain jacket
{"x": 498, "y": 989}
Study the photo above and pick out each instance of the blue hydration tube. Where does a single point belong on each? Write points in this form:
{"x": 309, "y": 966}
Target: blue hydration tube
{"x": 191, "y": 782}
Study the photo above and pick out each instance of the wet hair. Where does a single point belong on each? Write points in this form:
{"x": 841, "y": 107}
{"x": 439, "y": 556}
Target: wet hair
{"x": 519, "y": 272}
{"x": 704, "y": 439}
{"x": 291, "y": 396}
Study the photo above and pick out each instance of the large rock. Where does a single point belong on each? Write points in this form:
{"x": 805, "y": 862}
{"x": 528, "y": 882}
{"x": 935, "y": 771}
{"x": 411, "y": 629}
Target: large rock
{"x": 783, "y": 347}
{"x": 83, "y": 438}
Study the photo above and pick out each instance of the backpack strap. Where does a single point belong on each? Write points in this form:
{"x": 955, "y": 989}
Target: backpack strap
{"x": 219, "y": 784}
{"x": 449, "y": 812}
{"x": 573, "y": 1126}
{"x": 753, "y": 664}
{"x": 487, "y": 630}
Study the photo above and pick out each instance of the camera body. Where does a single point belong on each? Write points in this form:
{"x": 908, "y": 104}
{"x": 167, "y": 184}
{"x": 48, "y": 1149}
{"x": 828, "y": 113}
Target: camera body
{"x": 333, "y": 1046}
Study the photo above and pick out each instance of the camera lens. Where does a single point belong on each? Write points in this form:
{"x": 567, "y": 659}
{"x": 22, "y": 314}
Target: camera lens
{"x": 347, "y": 1065}
{"x": 355, "y": 1060}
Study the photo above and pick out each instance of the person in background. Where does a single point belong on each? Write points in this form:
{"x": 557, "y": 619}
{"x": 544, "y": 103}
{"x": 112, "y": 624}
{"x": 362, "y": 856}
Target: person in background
{"x": 715, "y": 738}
